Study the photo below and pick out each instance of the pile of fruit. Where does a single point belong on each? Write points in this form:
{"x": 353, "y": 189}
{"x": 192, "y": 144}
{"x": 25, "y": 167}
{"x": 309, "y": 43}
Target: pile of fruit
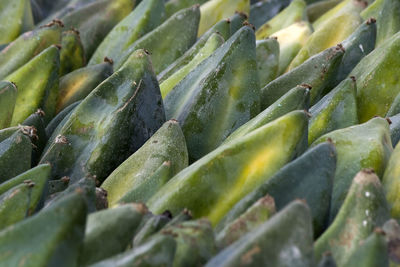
{"x": 199, "y": 133}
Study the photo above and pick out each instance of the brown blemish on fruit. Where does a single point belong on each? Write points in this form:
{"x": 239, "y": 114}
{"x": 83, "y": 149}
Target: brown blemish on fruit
{"x": 371, "y": 21}
{"x": 58, "y": 46}
{"x": 389, "y": 120}
{"x": 132, "y": 97}
{"x": 29, "y": 131}
{"x": 246, "y": 23}
{"x": 140, "y": 207}
{"x": 306, "y": 85}
{"x": 247, "y": 258}
{"x": 108, "y": 60}
{"x": 243, "y": 15}
{"x": 60, "y": 139}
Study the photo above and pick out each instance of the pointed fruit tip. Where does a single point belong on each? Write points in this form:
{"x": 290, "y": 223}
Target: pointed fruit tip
{"x": 371, "y": 21}
{"x": 108, "y": 60}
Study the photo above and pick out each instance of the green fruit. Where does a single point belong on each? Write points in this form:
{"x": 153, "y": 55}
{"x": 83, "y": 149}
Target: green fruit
{"x": 159, "y": 251}
{"x": 327, "y": 260}
{"x": 195, "y": 243}
{"x": 143, "y": 19}
{"x": 295, "y": 12}
{"x": 135, "y": 179}
{"x": 394, "y": 107}
{"x": 392, "y": 231}
{"x": 149, "y": 228}
{"x": 377, "y": 84}
{"x": 56, "y": 121}
{"x": 95, "y": 20}
{"x": 391, "y": 183}
{"x": 262, "y": 210}
{"x": 267, "y": 52}
{"x": 111, "y": 123}
{"x": 52, "y": 237}
{"x": 373, "y": 252}
{"x": 56, "y": 186}
{"x": 317, "y": 9}
{"x": 297, "y": 98}
{"x": 395, "y": 129}
{"x": 78, "y": 84}
{"x": 336, "y": 110}
{"x": 115, "y": 226}
{"x": 215, "y": 10}
{"x": 238, "y": 168}
{"x": 178, "y": 34}
{"x": 309, "y": 177}
{"x": 364, "y": 209}
{"x": 8, "y": 97}
{"x": 354, "y": 155}
{"x": 27, "y": 46}
{"x": 318, "y": 72}
{"x": 222, "y": 27}
{"x": 15, "y": 155}
{"x": 173, "y": 6}
{"x": 215, "y": 41}
{"x": 37, "y": 83}
{"x": 269, "y": 245}
{"x": 38, "y": 134}
{"x": 386, "y": 12}
{"x": 262, "y": 11}
{"x": 15, "y": 19}
{"x": 72, "y": 55}
{"x": 291, "y": 39}
{"x": 225, "y": 87}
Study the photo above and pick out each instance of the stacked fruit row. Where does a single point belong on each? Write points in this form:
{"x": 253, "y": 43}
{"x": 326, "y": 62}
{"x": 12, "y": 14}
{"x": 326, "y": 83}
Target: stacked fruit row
{"x": 195, "y": 132}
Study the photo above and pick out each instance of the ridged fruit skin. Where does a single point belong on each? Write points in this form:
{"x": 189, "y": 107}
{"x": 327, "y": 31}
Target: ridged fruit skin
{"x": 265, "y": 244}
{"x": 225, "y": 87}
{"x": 233, "y": 169}
{"x": 144, "y": 18}
{"x": 27, "y": 46}
{"x": 95, "y": 20}
{"x": 267, "y": 52}
{"x": 56, "y": 232}
{"x": 377, "y": 84}
{"x": 37, "y": 83}
{"x": 354, "y": 155}
{"x": 364, "y": 208}
{"x": 262, "y": 210}
{"x": 336, "y": 110}
{"x": 195, "y": 242}
{"x": 178, "y": 34}
{"x": 309, "y": 177}
{"x": 318, "y": 72}
{"x": 111, "y": 123}
{"x": 117, "y": 226}
{"x": 59, "y": 118}
{"x": 133, "y": 180}
{"x": 78, "y": 84}
{"x": 72, "y": 55}
{"x": 8, "y": 98}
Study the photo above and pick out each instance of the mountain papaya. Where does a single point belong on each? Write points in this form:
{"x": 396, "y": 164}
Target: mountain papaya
{"x": 15, "y": 18}
{"x": 394, "y": 107}
{"x": 386, "y": 12}
{"x": 134, "y": 179}
{"x": 395, "y": 129}
{"x": 373, "y": 252}
{"x": 95, "y": 20}
{"x": 336, "y": 110}
{"x": 178, "y": 34}
{"x": 150, "y": 227}
{"x": 230, "y": 77}
{"x": 364, "y": 208}
{"x": 318, "y": 72}
{"x": 317, "y": 9}
{"x": 392, "y": 231}
{"x": 267, "y": 149}
{"x": 15, "y": 155}
{"x": 391, "y": 183}
{"x": 291, "y": 39}
{"x": 359, "y": 44}
{"x": 215, "y": 10}
{"x": 173, "y": 6}
{"x": 377, "y": 85}
{"x": 111, "y": 123}
{"x": 39, "y": 138}
{"x": 116, "y": 225}
{"x": 27, "y": 46}
{"x": 56, "y": 121}
{"x": 56, "y": 232}
{"x": 353, "y": 155}
{"x": 262, "y": 210}
{"x": 78, "y": 84}
{"x": 327, "y": 260}
{"x": 328, "y": 34}
{"x": 37, "y": 83}
{"x": 267, "y": 52}
{"x": 56, "y": 186}
{"x": 195, "y": 242}
{"x": 297, "y": 98}
{"x": 8, "y": 97}
{"x": 159, "y": 251}
{"x": 309, "y": 177}
{"x": 222, "y": 27}
{"x": 262, "y": 11}
{"x": 295, "y": 12}
{"x": 215, "y": 41}
{"x": 268, "y": 245}
{"x": 72, "y": 56}
{"x": 143, "y": 19}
